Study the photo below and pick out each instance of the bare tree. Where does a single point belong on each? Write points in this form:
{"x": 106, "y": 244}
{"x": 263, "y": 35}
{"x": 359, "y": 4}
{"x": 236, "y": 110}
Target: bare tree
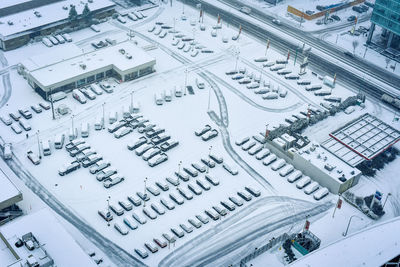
{"x": 355, "y": 44}
{"x": 387, "y": 61}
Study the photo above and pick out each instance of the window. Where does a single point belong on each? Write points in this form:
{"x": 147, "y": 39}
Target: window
{"x": 80, "y": 82}
{"x": 90, "y": 79}
{"x": 100, "y": 76}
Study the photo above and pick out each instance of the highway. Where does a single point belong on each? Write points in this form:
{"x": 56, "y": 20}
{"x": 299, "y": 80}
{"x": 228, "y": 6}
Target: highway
{"x": 324, "y": 66}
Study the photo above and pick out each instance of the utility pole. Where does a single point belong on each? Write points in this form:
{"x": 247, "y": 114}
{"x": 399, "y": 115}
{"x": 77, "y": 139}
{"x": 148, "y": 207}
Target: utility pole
{"x": 52, "y": 105}
{"x": 104, "y": 118}
{"x": 131, "y": 108}
{"x": 108, "y": 208}
{"x": 72, "y": 122}
{"x": 209, "y": 98}
{"x": 144, "y": 192}
{"x": 209, "y": 153}
{"x": 38, "y": 143}
{"x": 186, "y": 72}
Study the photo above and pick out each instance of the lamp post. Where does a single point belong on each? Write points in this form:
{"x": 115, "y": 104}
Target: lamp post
{"x": 131, "y": 107}
{"x": 173, "y": 35}
{"x": 108, "y": 210}
{"x": 237, "y": 53}
{"x": 104, "y": 118}
{"x": 179, "y": 166}
{"x": 348, "y": 225}
{"x": 209, "y": 153}
{"x": 72, "y": 124}
{"x": 144, "y": 192}
{"x": 37, "y": 134}
{"x": 384, "y": 203}
{"x": 186, "y": 72}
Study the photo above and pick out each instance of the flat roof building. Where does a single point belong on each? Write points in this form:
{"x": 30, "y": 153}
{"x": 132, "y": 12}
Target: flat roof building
{"x": 9, "y": 193}
{"x": 23, "y": 20}
{"x": 124, "y": 61}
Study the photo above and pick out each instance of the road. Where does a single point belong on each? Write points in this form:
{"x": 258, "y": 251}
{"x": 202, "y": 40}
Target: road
{"x": 324, "y": 66}
{"x": 235, "y": 233}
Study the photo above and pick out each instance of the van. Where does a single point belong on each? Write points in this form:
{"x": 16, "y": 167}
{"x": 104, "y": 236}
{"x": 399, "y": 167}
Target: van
{"x": 67, "y": 37}
{"x": 168, "y": 95}
{"x": 95, "y": 28}
{"x": 321, "y": 193}
{"x": 57, "y": 96}
{"x": 98, "y": 124}
{"x": 158, "y": 99}
{"x": 59, "y": 39}
{"x": 294, "y": 176}
{"x": 303, "y": 182}
{"x": 59, "y": 141}
{"x": 286, "y": 170}
{"x": 311, "y": 188}
{"x": 46, "y": 148}
{"x": 7, "y": 151}
{"x": 278, "y": 164}
{"x": 78, "y": 96}
{"x": 178, "y": 92}
{"x": 96, "y": 89}
{"x": 53, "y": 40}
{"x": 47, "y": 42}
{"x": 112, "y": 117}
{"x": 25, "y": 125}
{"x": 85, "y": 130}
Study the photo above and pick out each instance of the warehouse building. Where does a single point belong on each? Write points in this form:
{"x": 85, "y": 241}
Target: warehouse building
{"x": 49, "y": 74}
{"x": 10, "y": 195}
{"x": 23, "y": 20}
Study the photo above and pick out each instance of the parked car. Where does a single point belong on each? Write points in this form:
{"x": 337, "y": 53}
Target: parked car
{"x": 158, "y": 159}
{"x": 321, "y": 193}
{"x": 33, "y": 158}
{"x": 231, "y": 170}
{"x": 203, "y": 184}
{"x": 69, "y": 168}
{"x": 121, "y": 229}
{"x": 106, "y": 215}
{"x": 168, "y": 204}
{"x": 105, "y": 174}
{"x": 243, "y": 194}
{"x": 229, "y": 206}
{"x": 162, "y": 185}
{"x": 311, "y": 188}
{"x": 126, "y": 205}
{"x": 139, "y": 218}
{"x": 202, "y": 218}
{"x": 238, "y": 202}
{"x": 253, "y": 191}
{"x": 303, "y": 182}
{"x": 203, "y": 130}
{"x": 141, "y": 252}
{"x": 25, "y": 113}
{"x": 130, "y": 224}
{"x": 7, "y": 121}
{"x": 214, "y": 181}
{"x": 169, "y": 144}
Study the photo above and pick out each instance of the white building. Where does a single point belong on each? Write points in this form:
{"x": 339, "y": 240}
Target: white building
{"x": 50, "y": 72}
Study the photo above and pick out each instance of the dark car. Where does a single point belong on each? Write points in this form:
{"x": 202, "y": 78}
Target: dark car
{"x": 335, "y": 17}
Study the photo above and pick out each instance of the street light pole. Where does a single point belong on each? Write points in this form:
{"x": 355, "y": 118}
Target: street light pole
{"x": 348, "y": 225}
{"x": 209, "y": 153}
{"x": 384, "y": 203}
{"x": 108, "y": 207}
{"x": 144, "y": 193}
{"x": 179, "y": 166}
{"x": 104, "y": 118}
{"x": 38, "y": 143}
{"x": 131, "y": 108}
{"x": 186, "y": 72}
{"x": 209, "y": 98}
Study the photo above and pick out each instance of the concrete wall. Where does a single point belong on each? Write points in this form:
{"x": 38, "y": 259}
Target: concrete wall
{"x": 315, "y": 173}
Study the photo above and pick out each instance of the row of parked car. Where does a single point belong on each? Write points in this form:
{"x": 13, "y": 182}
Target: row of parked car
{"x": 50, "y": 40}
{"x": 206, "y": 133}
{"x": 152, "y": 145}
{"x": 265, "y": 89}
{"x": 255, "y": 147}
{"x": 87, "y": 157}
{"x": 215, "y": 212}
{"x": 167, "y": 95}
{"x": 91, "y": 92}
{"x": 18, "y": 121}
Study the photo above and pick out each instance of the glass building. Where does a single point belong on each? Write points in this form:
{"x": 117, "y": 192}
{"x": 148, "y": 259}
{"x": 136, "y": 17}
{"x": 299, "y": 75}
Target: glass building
{"x": 386, "y": 14}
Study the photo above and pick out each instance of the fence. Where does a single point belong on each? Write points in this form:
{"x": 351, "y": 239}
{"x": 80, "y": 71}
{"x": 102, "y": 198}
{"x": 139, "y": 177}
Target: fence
{"x": 263, "y": 249}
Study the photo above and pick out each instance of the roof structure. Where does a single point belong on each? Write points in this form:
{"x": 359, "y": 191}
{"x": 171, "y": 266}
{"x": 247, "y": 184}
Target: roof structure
{"x": 9, "y": 193}
{"x": 51, "y": 72}
{"x": 366, "y": 136}
{"x": 28, "y": 20}
{"x": 55, "y": 240}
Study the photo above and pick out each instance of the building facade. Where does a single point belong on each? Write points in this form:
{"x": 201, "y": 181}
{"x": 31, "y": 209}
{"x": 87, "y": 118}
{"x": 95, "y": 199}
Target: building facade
{"x": 123, "y": 61}
{"x": 386, "y": 14}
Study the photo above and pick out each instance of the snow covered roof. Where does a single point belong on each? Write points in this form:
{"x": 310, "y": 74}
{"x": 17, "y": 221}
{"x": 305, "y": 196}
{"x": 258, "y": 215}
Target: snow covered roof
{"x": 9, "y": 193}
{"x": 28, "y": 20}
{"x": 327, "y": 162}
{"x": 60, "y": 246}
{"x": 51, "y": 71}
{"x": 373, "y": 246}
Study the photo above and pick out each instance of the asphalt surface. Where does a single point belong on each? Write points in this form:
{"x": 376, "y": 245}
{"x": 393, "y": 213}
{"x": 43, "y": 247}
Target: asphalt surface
{"x": 320, "y": 63}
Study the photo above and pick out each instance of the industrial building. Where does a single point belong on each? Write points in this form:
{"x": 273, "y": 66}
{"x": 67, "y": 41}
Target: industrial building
{"x": 386, "y": 14}
{"x": 9, "y": 197}
{"x": 23, "y": 20}
{"x": 49, "y": 74}
{"x": 29, "y": 241}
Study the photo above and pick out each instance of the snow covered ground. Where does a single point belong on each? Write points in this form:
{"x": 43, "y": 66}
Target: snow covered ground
{"x": 235, "y": 112}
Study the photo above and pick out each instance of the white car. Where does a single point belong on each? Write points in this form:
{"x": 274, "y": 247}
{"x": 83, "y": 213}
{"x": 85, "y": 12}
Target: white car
{"x": 122, "y": 131}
